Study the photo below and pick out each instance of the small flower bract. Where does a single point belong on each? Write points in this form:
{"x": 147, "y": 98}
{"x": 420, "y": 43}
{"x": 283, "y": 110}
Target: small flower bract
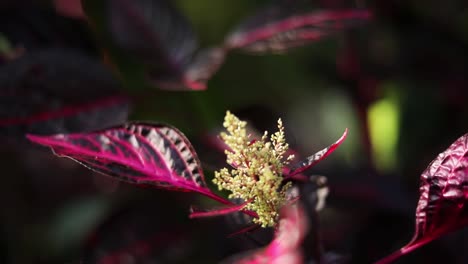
{"x": 257, "y": 169}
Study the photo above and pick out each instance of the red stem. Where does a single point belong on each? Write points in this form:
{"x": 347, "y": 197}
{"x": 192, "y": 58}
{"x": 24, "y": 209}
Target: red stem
{"x": 403, "y": 251}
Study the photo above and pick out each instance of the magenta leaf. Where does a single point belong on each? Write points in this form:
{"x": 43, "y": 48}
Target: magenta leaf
{"x": 286, "y": 246}
{"x": 139, "y": 153}
{"x": 317, "y": 157}
{"x": 280, "y": 27}
{"x": 443, "y": 196}
{"x": 58, "y": 91}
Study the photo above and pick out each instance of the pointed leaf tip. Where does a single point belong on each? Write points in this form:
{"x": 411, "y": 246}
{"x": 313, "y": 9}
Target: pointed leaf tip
{"x": 317, "y": 157}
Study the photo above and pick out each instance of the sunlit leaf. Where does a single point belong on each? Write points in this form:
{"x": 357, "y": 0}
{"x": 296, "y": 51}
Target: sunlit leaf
{"x": 443, "y": 196}
{"x": 139, "y": 153}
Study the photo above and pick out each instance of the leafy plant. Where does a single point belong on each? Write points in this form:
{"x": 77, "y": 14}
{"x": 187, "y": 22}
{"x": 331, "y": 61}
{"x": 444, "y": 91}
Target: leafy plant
{"x": 161, "y": 156}
{"x": 56, "y": 87}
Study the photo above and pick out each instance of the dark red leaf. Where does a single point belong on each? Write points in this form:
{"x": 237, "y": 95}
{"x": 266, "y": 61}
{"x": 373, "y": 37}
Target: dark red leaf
{"x": 58, "y": 91}
{"x": 317, "y": 157}
{"x": 139, "y": 153}
{"x": 278, "y": 29}
{"x": 443, "y": 196}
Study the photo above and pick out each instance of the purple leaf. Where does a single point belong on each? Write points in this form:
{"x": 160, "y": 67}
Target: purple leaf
{"x": 317, "y": 157}
{"x": 278, "y": 29}
{"x": 58, "y": 91}
{"x": 285, "y": 247}
{"x": 443, "y": 196}
{"x": 139, "y": 153}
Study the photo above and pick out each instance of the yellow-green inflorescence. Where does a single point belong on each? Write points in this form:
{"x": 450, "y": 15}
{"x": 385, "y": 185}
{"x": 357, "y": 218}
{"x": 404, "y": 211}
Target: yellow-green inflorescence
{"x": 257, "y": 169}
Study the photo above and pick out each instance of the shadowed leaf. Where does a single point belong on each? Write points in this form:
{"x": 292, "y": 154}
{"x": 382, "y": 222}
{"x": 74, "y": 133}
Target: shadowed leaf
{"x": 58, "y": 91}
{"x": 205, "y": 64}
{"x": 155, "y": 33}
{"x": 441, "y": 207}
{"x": 161, "y": 40}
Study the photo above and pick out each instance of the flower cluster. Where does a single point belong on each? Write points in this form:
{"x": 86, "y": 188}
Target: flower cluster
{"x": 257, "y": 169}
